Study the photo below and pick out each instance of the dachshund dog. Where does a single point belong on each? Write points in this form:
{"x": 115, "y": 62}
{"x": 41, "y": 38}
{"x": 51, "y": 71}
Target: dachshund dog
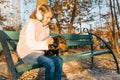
{"x": 59, "y": 43}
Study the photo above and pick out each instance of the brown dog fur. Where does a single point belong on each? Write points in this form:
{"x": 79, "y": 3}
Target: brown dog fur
{"x": 59, "y": 43}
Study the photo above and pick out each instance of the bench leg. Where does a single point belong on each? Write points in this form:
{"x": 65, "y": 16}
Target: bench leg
{"x": 92, "y": 63}
{"x": 116, "y": 62}
{"x": 107, "y": 46}
{"x": 92, "y": 58}
{"x": 115, "y": 59}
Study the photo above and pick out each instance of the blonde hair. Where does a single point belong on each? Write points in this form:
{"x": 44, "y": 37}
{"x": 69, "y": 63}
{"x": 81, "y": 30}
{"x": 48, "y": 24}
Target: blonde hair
{"x": 44, "y": 9}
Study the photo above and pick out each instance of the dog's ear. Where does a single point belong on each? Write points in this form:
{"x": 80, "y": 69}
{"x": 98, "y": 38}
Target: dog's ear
{"x": 61, "y": 39}
{"x": 58, "y": 38}
{"x": 55, "y": 41}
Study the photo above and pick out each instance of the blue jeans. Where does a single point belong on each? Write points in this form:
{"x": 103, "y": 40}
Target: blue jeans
{"x": 52, "y": 65}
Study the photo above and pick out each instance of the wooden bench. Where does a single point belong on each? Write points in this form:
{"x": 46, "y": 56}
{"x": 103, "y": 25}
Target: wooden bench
{"x": 9, "y": 39}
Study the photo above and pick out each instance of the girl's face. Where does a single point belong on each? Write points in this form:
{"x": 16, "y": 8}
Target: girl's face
{"x": 46, "y": 19}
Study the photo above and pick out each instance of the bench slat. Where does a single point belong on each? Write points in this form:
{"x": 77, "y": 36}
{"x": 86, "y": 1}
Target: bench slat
{"x": 1, "y": 47}
{"x": 14, "y": 35}
{"x": 82, "y": 55}
{"x": 81, "y": 39}
{"x": 12, "y": 45}
{"x": 66, "y": 58}
{"x": 74, "y": 36}
{"x": 24, "y": 67}
{"x": 11, "y": 36}
{"x": 78, "y": 43}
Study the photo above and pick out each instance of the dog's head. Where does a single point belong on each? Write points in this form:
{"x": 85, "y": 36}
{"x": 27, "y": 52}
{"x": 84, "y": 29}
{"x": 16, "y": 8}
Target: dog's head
{"x": 59, "y": 43}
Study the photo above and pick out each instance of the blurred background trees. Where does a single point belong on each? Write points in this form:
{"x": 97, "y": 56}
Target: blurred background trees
{"x": 101, "y": 17}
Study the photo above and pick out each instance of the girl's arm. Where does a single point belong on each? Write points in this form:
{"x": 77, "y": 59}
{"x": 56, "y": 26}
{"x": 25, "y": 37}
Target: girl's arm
{"x": 30, "y": 39}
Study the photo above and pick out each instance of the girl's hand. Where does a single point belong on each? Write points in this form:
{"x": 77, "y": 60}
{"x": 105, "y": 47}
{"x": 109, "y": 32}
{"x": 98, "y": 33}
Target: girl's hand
{"x": 50, "y": 40}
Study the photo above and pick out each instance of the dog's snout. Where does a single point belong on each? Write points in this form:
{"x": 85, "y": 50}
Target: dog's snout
{"x": 65, "y": 49}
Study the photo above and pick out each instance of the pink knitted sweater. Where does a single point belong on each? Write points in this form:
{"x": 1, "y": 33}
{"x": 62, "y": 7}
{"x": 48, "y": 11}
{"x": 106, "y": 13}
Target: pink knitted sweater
{"x": 33, "y": 38}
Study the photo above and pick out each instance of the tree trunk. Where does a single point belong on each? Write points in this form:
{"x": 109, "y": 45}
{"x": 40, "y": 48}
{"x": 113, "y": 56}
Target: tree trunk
{"x": 41, "y": 2}
{"x": 117, "y": 25}
{"x": 72, "y": 19}
{"x": 118, "y": 6}
{"x": 114, "y": 20}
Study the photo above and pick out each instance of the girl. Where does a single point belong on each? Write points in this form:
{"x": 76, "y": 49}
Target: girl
{"x": 34, "y": 39}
